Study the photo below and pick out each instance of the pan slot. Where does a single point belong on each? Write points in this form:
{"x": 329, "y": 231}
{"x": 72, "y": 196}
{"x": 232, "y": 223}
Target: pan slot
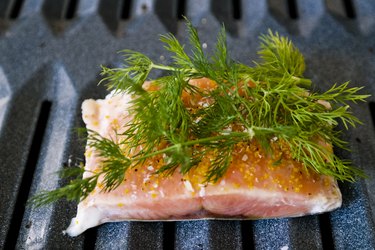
{"x": 181, "y": 7}
{"x": 90, "y": 236}
{"x": 237, "y": 13}
{"x": 349, "y": 9}
{"x": 59, "y": 13}
{"x": 326, "y": 231}
{"x": 28, "y": 174}
{"x": 341, "y": 9}
{"x": 169, "y": 231}
{"x": 68, "y": 9}
{"x": 286, "y": 13}
{"x": 115, "y": 13}
{"x": 71, "y": 9}
{"x": 292, "y": 9}
{"x": 285, "y": 10}
{"x": 10, "y": 9}
{"x": 247, "y": 235}
{"x": 16, "y": 9}
{"x": 167, "y": 12}
{"x": 59, "y": 10}
{"x": 125, "y": 11}
{"x": 224, "y": 11}
{"x": 372, "y": 110}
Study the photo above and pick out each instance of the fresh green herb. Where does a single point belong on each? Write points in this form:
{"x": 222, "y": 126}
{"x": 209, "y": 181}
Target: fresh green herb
{"x": 270, "y": 100}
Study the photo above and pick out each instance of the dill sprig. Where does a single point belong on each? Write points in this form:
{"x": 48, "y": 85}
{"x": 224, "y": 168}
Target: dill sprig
{"x": 113, "y": 167}
{"x": 269, "y": 100}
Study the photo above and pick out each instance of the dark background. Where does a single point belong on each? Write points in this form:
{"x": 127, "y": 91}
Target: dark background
{"x": 50, "y": 57}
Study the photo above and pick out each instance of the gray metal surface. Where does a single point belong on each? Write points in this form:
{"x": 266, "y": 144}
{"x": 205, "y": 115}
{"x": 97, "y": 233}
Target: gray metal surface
{"x": 50, "y": 52}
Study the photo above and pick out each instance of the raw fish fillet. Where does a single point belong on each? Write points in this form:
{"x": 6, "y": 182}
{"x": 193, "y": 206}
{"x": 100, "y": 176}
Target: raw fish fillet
{"x": 253, "y": 187}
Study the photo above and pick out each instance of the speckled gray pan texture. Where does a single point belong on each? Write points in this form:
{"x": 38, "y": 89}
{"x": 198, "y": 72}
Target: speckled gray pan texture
{"x": 50, "y": 52}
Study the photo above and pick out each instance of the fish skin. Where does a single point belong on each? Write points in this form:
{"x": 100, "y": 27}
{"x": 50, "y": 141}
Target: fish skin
{"x": 252, "y": 188}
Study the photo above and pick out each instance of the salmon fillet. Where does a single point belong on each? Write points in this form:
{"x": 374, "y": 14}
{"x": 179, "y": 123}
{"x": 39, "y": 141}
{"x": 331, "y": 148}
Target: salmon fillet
{"x": 253, "y": 187}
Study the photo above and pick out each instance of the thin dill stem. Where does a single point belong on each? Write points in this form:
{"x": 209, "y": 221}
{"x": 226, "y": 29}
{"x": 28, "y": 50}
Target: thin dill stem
{"x": 252, "y": 131}
{"x": 174, "y": 69}
{"x": 164, "y": 67}
{"x": 232, "y": 135}
{"x": 302, "y": 81}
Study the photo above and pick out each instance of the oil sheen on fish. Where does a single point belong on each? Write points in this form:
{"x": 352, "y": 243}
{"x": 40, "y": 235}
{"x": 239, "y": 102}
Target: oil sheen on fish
{"x": 253, "y": 187}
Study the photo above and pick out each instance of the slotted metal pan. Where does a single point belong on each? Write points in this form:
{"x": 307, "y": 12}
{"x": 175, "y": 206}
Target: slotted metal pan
{"x": 50, "y": 52}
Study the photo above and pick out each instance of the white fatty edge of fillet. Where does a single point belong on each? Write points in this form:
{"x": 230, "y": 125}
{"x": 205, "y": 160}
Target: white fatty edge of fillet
{"x": 91, "y": 215}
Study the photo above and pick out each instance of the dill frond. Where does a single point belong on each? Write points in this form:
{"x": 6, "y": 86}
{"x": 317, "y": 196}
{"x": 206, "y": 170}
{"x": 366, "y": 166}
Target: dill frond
{"x": 76, "y": 190}
{"x": 270, "y": 100}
